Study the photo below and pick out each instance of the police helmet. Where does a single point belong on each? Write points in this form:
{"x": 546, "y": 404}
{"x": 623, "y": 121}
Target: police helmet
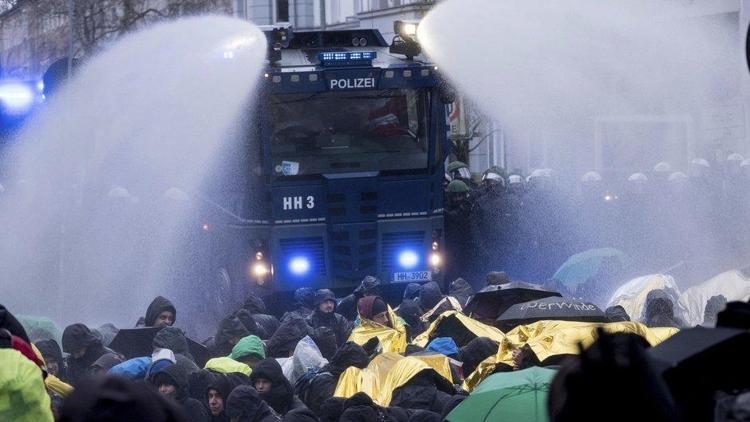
{"x": 677, "y": 176}
{"x": 457, "y": 186}
{"x": 459, "y": 170}
{"x": 663, "y": 167}
{"x": 515, "y": 179}
{"x": 591, "y": 177}
{"x": 701, "y": 162}
{"x": 637, "y": 177}
{"x": 492, "y": 176}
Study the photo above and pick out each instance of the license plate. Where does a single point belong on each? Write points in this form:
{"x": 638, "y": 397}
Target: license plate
{"x": 406, "y": 277}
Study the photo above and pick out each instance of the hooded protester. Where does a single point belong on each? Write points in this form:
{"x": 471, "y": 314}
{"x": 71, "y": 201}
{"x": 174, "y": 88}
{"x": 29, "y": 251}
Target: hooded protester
{"x": 425, "y": 391}
{"x": 160, "y": 313}
{"x": 230, "y": 331}
{"x": 300, "y": 415}
{"x": 9, "y": 322}
{"x": 370, "y": 286}
{"x": 433, "y": 303}
{"x": 616, "y": 314}
{"x": 374, "y": 309}
{"x": 84, "y": 349}
{"x": 714, "y": 305}
{"x": 269, "y": 380}
{"x": 411, "y": 291}
{"x": 411, "y": 313}
{"x": 215, "y": 396}
{"x": 285, "y": 339}
{"x": 461, "y": 290}
{"x": 174, "y": 339}
{"x": 257, "y": 309}
{"x": 361, "y": 408}
{"x": 304, "y": 303}
{"x": 474, "y": 352}
{"x": 246, "y": 318}
{"x": 318, "y": 387}
{"x": 332, "y": 409}
{"x": 245, "y": 404}
{"x": 53, "y": 357}
{"x": 249, "y": 350}
{"x": 172, "y": 382}
{"x": 331, "y": 329}
{"x": 659, "y": 311}
{"x": 117, "y": 399}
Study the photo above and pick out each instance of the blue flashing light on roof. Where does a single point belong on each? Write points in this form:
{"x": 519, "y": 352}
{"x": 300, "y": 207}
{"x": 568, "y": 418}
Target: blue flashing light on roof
{"x": 347, "y": 58}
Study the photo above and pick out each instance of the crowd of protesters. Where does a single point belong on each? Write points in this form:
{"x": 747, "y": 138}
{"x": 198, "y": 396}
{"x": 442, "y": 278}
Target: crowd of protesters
{"x": 262, "y": 368}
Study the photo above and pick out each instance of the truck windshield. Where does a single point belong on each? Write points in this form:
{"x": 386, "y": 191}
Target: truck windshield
{"x": 337, "y": 132}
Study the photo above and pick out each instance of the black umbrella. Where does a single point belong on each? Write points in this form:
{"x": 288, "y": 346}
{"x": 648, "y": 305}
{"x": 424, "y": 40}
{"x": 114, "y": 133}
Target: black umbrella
{"x": 552, "y": 308}
{"x": 137, "y": 342}
{"x": 698, "y": 361}
{"x": 487, "y": 304}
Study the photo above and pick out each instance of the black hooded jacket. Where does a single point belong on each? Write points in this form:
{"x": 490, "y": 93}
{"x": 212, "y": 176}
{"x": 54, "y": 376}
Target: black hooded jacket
{"x": 257, "y": 309}
{"x": 426, "y": 391}
{"x": 51, "y": 350}
{"x": 229, "y": 327}
{"x": 347, "y": 307}
{"x": 660, "y": 310}
{"x": 411, "y": 313}
{"x": 9, "y": 322}
{"x": 206, "y": 380}
{"x": 461, "y": 290}
{"x": 157, "y": 306}
{"x": 245, "y": 404}
{"x": 331, "y": 329}
{"x": 304, "y": 303}
{"x": 281, "y": 397}
{"x": 174, "y": 339}
{"x": 475, "y": 351}
{"x": 76, "y": 337}
{"x": 314, "y": 391}
{"x": 175, "y": 375}
{"x": 285, "y": 339}
{"x": 429, "y": 295}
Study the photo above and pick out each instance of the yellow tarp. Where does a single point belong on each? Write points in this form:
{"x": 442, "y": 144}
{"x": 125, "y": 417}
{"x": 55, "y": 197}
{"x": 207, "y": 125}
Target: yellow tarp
{"x": 391, "y": 339}
{"x": 475, "y": 327}
{"x": 551, "y": 338}
{"x": 387, "y": 372}
{"x": 53, "y": 383}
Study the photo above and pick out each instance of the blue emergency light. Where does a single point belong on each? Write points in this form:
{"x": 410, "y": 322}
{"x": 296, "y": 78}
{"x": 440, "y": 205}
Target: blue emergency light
{"x": 347, "y": 58}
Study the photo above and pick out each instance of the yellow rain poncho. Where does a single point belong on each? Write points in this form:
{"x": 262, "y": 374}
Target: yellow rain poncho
{"x": 227, "y": 365}
{"x": 23, "y": 397}
{"x": 454, "y": 320}
{"x": 391, "y": 339}
{"x": 387, "y": 372}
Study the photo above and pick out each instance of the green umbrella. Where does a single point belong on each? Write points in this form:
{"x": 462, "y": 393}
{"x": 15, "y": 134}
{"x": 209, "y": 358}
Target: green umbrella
{"x": 40, "y": 328}
{"x": 507, "y": 396}
{"x": 591, "y": 264}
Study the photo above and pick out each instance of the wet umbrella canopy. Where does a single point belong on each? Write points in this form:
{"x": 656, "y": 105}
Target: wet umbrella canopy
{"x": 592, "y": 264}
{"x": 487, "y": 304}
{"x": 508, "y": 396}
{"x": 550, "y": 308}
{"x": 137, "y": 342}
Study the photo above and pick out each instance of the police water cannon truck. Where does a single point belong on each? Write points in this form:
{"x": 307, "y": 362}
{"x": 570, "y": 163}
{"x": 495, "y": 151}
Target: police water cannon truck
{"x": 350, "y": 160}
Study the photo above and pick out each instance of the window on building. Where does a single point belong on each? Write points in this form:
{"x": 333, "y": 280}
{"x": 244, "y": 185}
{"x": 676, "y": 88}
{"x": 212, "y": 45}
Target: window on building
{"x": 282, "y": 10}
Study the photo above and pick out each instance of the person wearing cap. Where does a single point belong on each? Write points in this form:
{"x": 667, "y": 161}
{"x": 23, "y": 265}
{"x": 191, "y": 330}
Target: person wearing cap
{"x": 327, "y": 323}
{"x": 347, "y": 307}
{"x": 249, "y": 350}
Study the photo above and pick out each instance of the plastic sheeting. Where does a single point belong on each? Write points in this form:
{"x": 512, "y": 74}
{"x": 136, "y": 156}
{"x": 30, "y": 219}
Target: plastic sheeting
{"x": 632, "y": 295}
{"x": 306, "y": 356}
{"x": 731, "y": 284}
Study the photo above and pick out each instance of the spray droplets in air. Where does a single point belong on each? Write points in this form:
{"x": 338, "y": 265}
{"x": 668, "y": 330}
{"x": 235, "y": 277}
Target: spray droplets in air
{"x": 101, "y": 179}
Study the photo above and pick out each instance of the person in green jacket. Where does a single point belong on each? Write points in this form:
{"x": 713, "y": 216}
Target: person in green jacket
{"x": 249, "y": 350}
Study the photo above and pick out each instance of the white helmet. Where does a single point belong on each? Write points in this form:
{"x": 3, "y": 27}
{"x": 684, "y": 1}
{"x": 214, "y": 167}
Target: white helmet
{"x": 515, "y": 179}
{"x": 118, "y": 192}
{"x": 538, "y": 173}
{"x": 637, "y": 177}
{"x": 591, "y": 177}
{"x": 663, "y": 167}
{"x": 701, "y": 162}
{"x": 735, "y": 157}
{"x": 677, "y": 176}
{"x": 176, "y": 194}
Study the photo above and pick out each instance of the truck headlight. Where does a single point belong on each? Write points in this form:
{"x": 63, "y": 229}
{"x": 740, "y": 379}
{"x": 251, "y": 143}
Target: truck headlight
{"x": 435, "y": 259}
{"x": 260, "y": 269}
{"x": 408, "y": 259}
{"x": 299, "y": 265}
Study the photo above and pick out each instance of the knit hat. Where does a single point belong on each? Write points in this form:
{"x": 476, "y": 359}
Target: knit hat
{"x": 379, "y": 306}
{"x": 250, "y": 345}
{"x": 322, "y": 295}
